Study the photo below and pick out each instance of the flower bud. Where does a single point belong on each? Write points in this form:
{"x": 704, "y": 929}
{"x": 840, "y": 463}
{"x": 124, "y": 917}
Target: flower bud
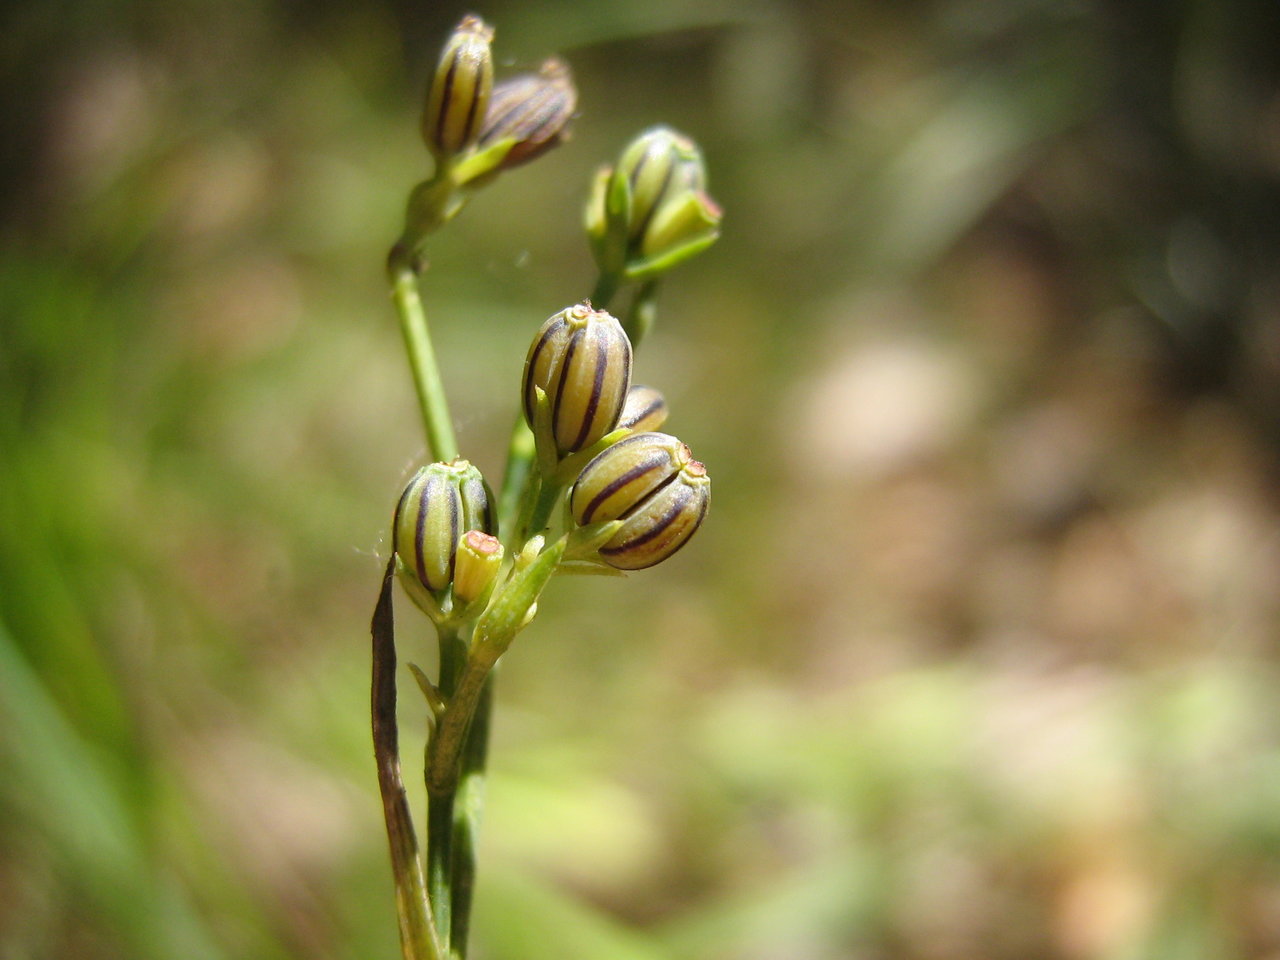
{"x": 644, "y": 410}
{"x": 651, "y": 482}
{"x": 533, "y": 109}
{"x": 441, "y": 502}
{"x": 691, "y": 219}
{"x": 460, "y": 91}
{"x": 581, "y": 359}
{"x": 660, "y": 165}
{"x": 476, "y": 567}
{"x": 651, "y": 210}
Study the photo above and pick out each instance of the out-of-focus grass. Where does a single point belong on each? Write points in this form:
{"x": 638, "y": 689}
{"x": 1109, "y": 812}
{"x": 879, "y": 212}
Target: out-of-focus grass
{"x": 976, "y": 654}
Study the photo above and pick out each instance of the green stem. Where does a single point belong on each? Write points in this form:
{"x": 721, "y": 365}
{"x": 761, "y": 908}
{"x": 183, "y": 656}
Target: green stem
{"x": 494, "y": 632}
{"x": 440, "y": 861}
{"x": 606, "y": 288}
{"x": 466, "y": 823}
{"x": 453, "y": 655}
{"x": 451, "y": 731}
{"x": 515, "y": 477}
{"x": 644, "y": 307}
{"x": 422, "y": 357}
{"x": 548, "y": 496}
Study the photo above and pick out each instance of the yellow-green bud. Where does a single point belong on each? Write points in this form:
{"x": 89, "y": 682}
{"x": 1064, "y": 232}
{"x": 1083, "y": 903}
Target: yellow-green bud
{"x": 659, "y": 165}
{"x": 441, "y": 502}
{"x": 691, "y": 218}
{"x": 460, "y": 91}
{"x": 581, "y": 359}
{"x": 534, "y": 109}
{"x": 476, "y": 567}
{"x": 651, "y": 210}
{"x": 645, "y": 410}
{"x": 651, "y": 482}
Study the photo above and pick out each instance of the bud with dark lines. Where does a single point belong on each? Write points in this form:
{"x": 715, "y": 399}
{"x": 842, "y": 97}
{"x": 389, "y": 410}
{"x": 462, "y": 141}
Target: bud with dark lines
{"x": 645, "y": 410}
{"x": 651, "y": 482}
{"x": 581, "y": 359}
{"x": 651, "y": 211}
{"x": 659, "y": 165}
{"x": 442, "y": 502}
{"x": 533, "y": 110}
{"x": 460, "y": 91}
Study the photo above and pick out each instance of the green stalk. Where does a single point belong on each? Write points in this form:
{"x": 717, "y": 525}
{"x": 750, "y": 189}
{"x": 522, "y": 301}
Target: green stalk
{"x": 606, "y": 288}
{"x": 453, "y": 656}
{"x": 548, "y": 496}
{"x": 493, "y": 634}
{"x": 644, "y": 307}
{"x": 466, "y": 822}
{"x": 515, "y": 477}
{"x": 422, "y": 356}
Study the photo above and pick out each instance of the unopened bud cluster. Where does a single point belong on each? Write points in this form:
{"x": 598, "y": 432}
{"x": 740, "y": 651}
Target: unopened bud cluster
{"x": 635, "y": 496}
{"x": 651, "y": 482}
{"x": 577, "y": 394}
{"x": 651, "y": 209}
{"x": 497, "y": 125}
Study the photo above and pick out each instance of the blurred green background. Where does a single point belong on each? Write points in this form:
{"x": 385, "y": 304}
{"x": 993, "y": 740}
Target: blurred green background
{"x": 976, "y": 655}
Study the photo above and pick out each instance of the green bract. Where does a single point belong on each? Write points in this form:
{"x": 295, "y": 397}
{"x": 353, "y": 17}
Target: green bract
{"x": 581, "y": 361}
{"x": 442, "y": 502}
{"x": 460, "y": 91}
{"x": 651, "y": 482}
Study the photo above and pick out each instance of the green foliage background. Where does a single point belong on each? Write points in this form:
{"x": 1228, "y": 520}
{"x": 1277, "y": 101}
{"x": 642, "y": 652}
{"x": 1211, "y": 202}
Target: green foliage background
{"x": 976, "y": 655}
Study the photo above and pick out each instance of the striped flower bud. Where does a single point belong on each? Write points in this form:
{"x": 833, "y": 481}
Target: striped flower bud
{"x": 441, "y": 502}
{"x": 645, "y": 410}
{"x": 533, "y": 109}
{"x": 651, "y": 482}
{"x": 460, "y": 91}
{"x": 581, "y": 358}
{"x": 651, "y": 210}
{"x": 660, "y": 165}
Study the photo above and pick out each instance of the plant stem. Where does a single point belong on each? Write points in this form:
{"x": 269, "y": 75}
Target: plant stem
{"x": 422, "y": 357}
{"x": 451, "y": 730}
{"x": 515, "y": 477}
{"x": 548, "y": 496}
{"x": 644, "y": 307}
{"x": 417, "y": 931}
{"x": 440, "y": 861}
{"x": 606, "y": 287}
{"x": 453, "y": 654}
{"x": 466, "y": 824}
